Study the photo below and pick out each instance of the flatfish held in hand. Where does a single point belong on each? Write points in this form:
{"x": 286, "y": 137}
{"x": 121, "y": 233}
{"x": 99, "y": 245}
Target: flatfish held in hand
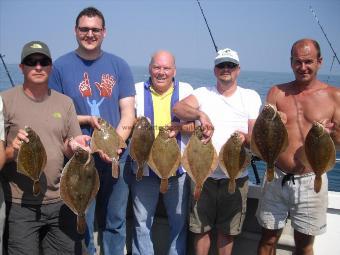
{"x": 141, "y": 143}
{"x": 233, "y": 159}
{"x": 79, "y": 184}
{"x": 199, "y": 160}
{"x": 269, "y": 137}
{"x": 320, "y": 152}
{"x": 165, "y": 157}
{"x": 32, "y": 159}
{"x": 109, "y": 141}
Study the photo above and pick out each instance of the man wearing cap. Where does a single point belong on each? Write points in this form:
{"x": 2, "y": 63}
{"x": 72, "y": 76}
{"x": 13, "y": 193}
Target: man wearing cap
{"x": 41, "y": 221}
{"x": 221, "y": 110}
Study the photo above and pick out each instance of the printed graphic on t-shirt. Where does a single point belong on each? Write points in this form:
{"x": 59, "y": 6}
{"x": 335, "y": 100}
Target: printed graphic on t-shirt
{"x": 105, "y": 87}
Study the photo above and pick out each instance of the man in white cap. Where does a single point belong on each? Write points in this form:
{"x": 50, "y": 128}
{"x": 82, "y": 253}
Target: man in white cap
{"x": 221, "y": 110}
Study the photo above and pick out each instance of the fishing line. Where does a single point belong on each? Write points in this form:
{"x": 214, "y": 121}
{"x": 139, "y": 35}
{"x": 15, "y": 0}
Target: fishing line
{"x": 324, "y": 33}
{"x": 253, "y": 157}
{"x": 9, "y": 76}
{"x": 206, "y": 22}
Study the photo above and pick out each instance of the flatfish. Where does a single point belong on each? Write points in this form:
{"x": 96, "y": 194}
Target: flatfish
{"x": 199, "y": 160}
{"x": 141, "y": 143}
{"x": 109, "y": 141}
{"x": 233, "y": 159}
{"x": 79, "y": 184}
{"x": 32, "y": 159}
{"x": 165, "y": 157}
{"x": 320, "y": 152}
{"x": 269, "y": 137}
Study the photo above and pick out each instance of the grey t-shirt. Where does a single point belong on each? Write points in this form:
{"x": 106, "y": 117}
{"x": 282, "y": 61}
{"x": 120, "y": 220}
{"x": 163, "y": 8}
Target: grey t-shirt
{"x": 54, "y": 119}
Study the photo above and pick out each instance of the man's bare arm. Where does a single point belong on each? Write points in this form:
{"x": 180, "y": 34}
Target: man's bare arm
{"x": 127, "y": 111}
{"x": 187, "y": 109}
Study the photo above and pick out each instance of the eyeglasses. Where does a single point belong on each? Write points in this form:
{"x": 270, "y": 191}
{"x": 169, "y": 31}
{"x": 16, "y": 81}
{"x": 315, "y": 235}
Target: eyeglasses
{"x": 35, "y": 61}
{"x": 85, "y": 30}
{"x": 229, "y": 65}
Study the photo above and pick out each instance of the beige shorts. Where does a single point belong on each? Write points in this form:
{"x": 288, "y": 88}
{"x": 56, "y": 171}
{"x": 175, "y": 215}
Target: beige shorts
{"x": 217, "y": 208}
{"x": 305, "y": 208}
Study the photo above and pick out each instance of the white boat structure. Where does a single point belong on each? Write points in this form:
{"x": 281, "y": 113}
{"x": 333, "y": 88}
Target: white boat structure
{"x": 246, "y": 243}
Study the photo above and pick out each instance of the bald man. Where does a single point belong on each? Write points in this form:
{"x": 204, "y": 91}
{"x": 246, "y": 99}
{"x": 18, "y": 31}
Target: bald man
{"x": 155, "y": 99}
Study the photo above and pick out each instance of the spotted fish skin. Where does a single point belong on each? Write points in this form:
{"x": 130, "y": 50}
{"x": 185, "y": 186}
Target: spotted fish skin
{"x": 320, "y": 152}
{"x": 233, "y": 159}
{"x": 79, "y": 185}
{"x": 199, "y": 160}
{"x": 32, "y": 159}
{"x": 141, "y": 143}
{"x": 164, "y": 158}
{"x": 269, "y": 137}
{"x": 109, "y": 141}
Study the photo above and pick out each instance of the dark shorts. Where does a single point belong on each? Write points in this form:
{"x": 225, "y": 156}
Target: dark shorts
{"x": 218, "y": 208}
{"x": 48, "y": 228}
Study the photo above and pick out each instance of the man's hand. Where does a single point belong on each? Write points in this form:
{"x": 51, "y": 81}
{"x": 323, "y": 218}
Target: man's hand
{"x": 208, "y": 128}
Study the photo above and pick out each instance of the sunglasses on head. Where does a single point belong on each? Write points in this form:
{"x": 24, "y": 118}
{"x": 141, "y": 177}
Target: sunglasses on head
{"x": 229, "y": 65}
{"x": 35, "y": 61}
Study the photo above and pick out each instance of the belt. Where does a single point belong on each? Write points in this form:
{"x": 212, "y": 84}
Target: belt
{"x": 286, "y": 178}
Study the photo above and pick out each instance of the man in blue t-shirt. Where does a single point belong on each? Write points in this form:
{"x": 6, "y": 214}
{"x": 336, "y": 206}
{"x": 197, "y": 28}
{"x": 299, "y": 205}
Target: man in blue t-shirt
{"x": 100, "y": 84}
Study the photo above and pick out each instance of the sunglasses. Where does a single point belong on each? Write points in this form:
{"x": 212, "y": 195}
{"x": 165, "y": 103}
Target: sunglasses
{"x": 229, "y": 65}
{"x": 85, "y": 30}
{"x": 35, "y": 61}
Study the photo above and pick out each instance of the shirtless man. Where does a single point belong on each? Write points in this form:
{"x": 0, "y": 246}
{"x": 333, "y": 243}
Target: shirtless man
{"x": 302, "y": 101}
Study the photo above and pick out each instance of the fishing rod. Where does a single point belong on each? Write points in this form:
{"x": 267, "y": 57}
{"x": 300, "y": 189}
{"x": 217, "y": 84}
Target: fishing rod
{"x": 324, "y": 33}
{"x": 206, "y": 22}
{"x": 253, "y": 158}
{"x": 9, "y": 76}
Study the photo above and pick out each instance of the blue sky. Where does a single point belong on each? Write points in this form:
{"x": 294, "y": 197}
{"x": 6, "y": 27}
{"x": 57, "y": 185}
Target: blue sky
{"x": 262, "y": 31}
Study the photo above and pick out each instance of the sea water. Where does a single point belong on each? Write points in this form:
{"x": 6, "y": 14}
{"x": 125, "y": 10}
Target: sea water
{"x": 259, "y": 81}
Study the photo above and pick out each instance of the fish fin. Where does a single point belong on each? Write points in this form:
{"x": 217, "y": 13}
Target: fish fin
{"x": 214, "y": 163}
{"x": 197, "y": 192}
{"x": 270, "y": 173}
{"x": 36, "y": 188}
{"x": 115, "y": 168}
{"x": 164, "y": 186}
{"x": 304, "y": 159}
{"x": 317, "y": 183}
{"x": 139, "y": 174}
{"x": 331, "y": 162}
{"x": 253, "y": 147}
{"x": 232, "y": 186}
{"x": 185, "y": 164}
{"x": 81, "y": 223}
{"x": 220, "y": 159}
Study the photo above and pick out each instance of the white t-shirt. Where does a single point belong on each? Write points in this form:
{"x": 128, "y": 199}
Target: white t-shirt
{"x": 228, "y": 114}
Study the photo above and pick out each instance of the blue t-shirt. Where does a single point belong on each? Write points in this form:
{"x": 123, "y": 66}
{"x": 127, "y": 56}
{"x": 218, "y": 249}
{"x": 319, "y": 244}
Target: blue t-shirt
{"x": 95, "y": 86}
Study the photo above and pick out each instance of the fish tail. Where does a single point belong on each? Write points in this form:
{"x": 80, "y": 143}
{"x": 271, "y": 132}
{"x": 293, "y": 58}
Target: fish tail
{"x": 232, "y": 186}
{"x": 36, "y": 188}
{"x": 139, "y": 174}
{"x": 270, "y": 173}
{"x": 81, "y": 223}
{"x": 115, "y": 168}
{"x": 164, "y": 186}
{"x": 197, "y": 192}
{"x": 317, "y": 183}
